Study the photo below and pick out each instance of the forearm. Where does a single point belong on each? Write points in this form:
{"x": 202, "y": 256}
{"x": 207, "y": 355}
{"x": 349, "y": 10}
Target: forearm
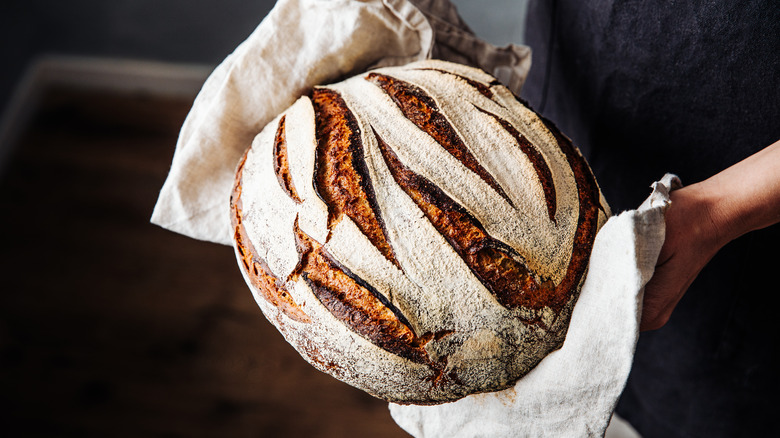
{"x": 744, "y": 197}
{"x": 706, "y": 216}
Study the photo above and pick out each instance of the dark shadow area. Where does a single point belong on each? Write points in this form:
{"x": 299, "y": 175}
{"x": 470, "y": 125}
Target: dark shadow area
{"x": 185, "y": 31}
{"x": 111, "y": 326}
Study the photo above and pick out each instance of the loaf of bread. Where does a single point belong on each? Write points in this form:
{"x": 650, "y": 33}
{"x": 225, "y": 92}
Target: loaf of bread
{"x": 416, "y": 231}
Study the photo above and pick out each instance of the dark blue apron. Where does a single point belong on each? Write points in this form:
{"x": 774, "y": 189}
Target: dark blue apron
{"x": 690, "y": 87}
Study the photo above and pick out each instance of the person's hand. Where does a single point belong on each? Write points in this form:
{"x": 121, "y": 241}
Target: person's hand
{"x": 705, "y": 216}
{"x": 691, "y": 241}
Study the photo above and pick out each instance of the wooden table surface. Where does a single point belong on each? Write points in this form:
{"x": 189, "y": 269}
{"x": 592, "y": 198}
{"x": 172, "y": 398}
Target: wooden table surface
{"x": 113, "y": 327}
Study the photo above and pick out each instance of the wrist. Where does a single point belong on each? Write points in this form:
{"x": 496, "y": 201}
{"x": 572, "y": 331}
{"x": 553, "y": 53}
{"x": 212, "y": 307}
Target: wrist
{"x": 746, "y": 196}
{"x": 734, "y": 207}
{"x": 702, "y": 214}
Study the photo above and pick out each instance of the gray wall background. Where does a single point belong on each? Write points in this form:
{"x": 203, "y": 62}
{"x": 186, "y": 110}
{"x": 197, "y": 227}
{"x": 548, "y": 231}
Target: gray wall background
{"x": 182, "y": 31}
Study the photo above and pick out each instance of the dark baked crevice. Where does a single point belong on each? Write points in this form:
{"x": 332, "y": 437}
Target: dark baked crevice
{"x": 421, "y": 109}
{"x": 587, "y": 221}
{"x": 493, "y": 262}
{"x": 352, "y": 301}
{"x": 270, "y": 287}
{"x": 537, "y": 160}
{"x": 341, "y": 177}
{"x": 282, "y": 163}
{"x": 362, "y": 308}
{"x": 482, "y": 88}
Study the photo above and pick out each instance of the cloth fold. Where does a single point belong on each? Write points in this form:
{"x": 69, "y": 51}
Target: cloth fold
{"x": 300, "y": 44}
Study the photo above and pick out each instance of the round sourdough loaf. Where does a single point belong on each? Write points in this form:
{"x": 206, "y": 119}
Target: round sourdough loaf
{"x": 416, "y": 231}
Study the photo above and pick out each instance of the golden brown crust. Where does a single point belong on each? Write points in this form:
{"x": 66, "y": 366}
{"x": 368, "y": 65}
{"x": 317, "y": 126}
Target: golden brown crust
{"x": 352, "y": 301}
{"x": 491, "y": 260}
{"x": 271, "y": 287}
{"x": 537, "y": 160}
{"x": 421, "y": 109}
{"x": 341, "y": 177}
{"x": 282, "y": 163}
{"x": 587, "y": 223}
{"x": 482, "y": 88}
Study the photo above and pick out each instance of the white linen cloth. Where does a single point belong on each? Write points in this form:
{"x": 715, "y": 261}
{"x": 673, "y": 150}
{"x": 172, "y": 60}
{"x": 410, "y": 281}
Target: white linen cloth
{"x": 302, "y": 43}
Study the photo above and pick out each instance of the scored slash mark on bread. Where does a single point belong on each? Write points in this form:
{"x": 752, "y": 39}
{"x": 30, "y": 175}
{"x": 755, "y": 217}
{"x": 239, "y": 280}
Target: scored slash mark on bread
{"x": 341, "y": 179}
{"x": 255, "y": 267}
{"x": 490, "y": 259}
{"x": 588, "y": 224}
{"x": 282, "y": 164}
{"x": 353, "y": 301}
{"x": 482, "y": 88}
{"x": 536, "y": 158}
{"x": 421, "y": 109}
